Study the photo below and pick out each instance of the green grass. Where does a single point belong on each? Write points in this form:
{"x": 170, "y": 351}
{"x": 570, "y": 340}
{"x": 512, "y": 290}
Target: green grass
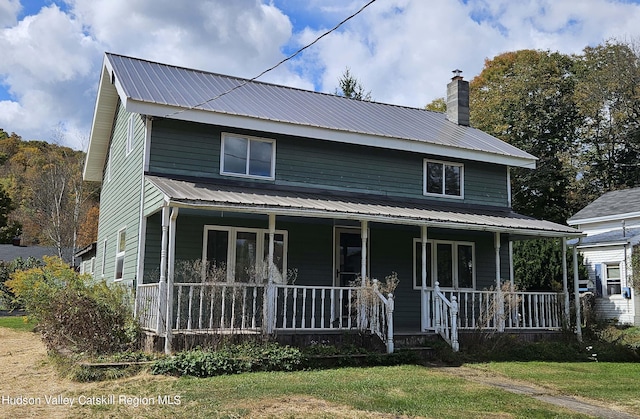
{"x": 17, "y": 323}
{"x": 398, "y": 390}
{"x": 612, "y": 383}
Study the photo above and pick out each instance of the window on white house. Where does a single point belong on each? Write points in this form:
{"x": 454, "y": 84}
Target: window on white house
{"x": 244, "y": 252}
{"x": 130, "y": 133}
{"x": 247, "y": 156}
{"x": 104, "y": 257}
{"x": 449, "y": 263}
{"x": 120, "y": 251}
{"x": 613, "y": 279}
{"x": 443, "y": 179}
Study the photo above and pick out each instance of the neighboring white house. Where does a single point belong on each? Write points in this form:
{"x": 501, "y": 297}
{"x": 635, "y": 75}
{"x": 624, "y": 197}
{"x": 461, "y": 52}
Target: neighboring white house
{"x": 612, "y": 226}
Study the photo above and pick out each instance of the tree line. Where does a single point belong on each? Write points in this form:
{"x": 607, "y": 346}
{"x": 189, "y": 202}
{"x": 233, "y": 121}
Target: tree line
{"x": 43, "y": 199}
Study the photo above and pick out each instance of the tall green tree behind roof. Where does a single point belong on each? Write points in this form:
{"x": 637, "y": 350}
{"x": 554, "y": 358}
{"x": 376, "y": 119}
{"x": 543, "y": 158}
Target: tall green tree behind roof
{"x": 526, "y": 99}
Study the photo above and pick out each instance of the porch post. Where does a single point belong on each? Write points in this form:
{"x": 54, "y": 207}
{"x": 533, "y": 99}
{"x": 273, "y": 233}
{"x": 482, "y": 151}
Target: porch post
{"x": 364, "y": 234}
{"x": 162, "y": 286}
{"x": 565, "y": 283}
{"x": 270, "y": 300}
{"x": 576, "y": 291}
{"x": 512, "y": 276}
{"x": 499, "y": 299}
{"x": 170, "y": 278}
{"x": 423, "y": 294}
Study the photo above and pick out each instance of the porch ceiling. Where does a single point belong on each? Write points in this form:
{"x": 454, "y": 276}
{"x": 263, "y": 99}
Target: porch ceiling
{"x": 317, "y": 204}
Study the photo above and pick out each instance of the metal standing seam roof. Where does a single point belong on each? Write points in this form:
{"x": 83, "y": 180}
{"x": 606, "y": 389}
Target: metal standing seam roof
{"x": 223, "y": 197}
{"x": 177, "y": 87}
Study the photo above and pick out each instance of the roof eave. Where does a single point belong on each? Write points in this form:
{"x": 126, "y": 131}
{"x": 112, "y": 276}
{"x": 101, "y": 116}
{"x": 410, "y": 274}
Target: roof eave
{"x": 613, "y": 217}
{"x": 104, "y": 111}
{"x": 302, "y": 212}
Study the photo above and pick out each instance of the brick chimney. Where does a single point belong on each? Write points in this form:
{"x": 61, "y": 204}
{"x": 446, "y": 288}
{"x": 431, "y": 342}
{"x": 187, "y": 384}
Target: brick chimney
{"x": 458, "y": 100}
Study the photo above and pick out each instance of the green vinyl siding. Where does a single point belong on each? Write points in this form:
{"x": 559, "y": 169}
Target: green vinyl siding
{"x": 191, "y": 149}
{"x": 120, "y": 198}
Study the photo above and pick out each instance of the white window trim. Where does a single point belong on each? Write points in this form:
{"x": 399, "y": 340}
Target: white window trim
{"x": 442, "y": 195}
{"x": 130, "y": 133}
{"x": 119, "y": 254}
{"x": 261, "y": 245}
{"x": 605, "y": 275}
{"x": 104, "y": 257}
{"x": 271, "y": 176}
{"x": 417, "y": 285}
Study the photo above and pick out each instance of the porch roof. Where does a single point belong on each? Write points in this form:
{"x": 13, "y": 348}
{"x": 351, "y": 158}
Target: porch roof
{"x": 200, "y": 195}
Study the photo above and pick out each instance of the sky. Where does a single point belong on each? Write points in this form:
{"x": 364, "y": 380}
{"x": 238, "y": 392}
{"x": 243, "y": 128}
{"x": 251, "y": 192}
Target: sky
{"x": 403, "y": 51}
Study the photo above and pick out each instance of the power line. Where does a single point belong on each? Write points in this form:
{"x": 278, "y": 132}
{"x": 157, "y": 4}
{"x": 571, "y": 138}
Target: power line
{"x": 278, "y": 64}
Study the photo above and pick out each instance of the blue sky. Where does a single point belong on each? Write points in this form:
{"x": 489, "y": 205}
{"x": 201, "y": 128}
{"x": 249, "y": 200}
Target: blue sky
{"x": 403, "y": 51}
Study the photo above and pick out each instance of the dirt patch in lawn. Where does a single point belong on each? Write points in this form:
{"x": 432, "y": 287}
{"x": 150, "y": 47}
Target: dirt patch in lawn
{"x": 29, "y": 384}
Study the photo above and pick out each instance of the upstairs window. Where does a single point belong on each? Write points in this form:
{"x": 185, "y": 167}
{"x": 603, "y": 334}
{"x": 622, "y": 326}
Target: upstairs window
{"x": 247, "y": 156}
{"x": 443, "y": 179}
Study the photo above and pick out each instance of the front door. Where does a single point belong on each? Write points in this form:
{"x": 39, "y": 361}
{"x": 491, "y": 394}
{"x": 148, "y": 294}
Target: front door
{"x": 348, "y": 254}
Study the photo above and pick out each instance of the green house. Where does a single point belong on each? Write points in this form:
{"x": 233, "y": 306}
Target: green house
{"x": 236, "y": 206}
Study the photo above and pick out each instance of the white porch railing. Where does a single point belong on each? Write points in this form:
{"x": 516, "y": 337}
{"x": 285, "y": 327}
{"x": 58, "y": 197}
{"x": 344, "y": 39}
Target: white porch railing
{"x": 381, "y": 316}
{"x": 147, "y": 306}
{"x": 491, "y": 310}
{"x": 223, "y": 307}
{"x": 445, "y": 314}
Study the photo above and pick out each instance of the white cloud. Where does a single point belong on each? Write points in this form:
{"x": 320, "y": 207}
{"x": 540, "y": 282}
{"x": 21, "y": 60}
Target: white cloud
{"x": 9, "y": 12}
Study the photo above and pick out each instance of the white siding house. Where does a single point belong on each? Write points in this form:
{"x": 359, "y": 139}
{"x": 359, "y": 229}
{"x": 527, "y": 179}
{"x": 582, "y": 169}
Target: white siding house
{"x": 612, "y": 227}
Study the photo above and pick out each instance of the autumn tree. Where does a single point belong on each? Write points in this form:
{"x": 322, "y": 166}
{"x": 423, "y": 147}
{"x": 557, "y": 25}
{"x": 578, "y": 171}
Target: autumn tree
{"x": 351, "y": 87}
{"x": 526, "y": 99}
{"x": 437, "y": 105}
{"x": 608, "y": 101}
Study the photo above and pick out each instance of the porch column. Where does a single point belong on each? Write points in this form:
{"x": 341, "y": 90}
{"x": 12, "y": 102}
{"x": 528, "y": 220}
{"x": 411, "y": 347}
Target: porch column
{"x": 576, "y": 292}
{"x": 425, "y": 321}
{"x": 270, "y": 289}
{"x": 499, "y": 301}
{"x": 565, "y": 283}
{"x": 364, "y": 234}
{"x": 162, "y": 285}
{"x": 272, "y": 233}
{"x": 171, "y": 258}
{"x": 512, "y": 276}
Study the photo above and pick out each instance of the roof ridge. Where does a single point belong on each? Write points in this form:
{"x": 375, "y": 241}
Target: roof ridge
{"x": 248, "y": 80}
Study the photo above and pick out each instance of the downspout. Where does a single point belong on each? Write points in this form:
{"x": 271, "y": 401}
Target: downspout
{"x": 170, "y": 280}
{"x": 565, "y": 283}
{"x": 576, "y": 291}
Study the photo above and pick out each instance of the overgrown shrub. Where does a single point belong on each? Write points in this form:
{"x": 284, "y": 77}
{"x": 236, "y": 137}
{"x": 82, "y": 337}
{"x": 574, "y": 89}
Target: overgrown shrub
{"x": 74, "y": 313}
{"x": 7, "y": 298}
{"x": 232, "y": 359}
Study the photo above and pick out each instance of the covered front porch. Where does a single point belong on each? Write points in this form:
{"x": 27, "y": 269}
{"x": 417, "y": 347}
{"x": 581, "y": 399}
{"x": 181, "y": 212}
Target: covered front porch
{"x": 454, "y": 267}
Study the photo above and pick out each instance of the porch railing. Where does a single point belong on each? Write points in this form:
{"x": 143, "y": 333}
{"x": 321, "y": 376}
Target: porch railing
{"x": 224, "y": 307}
{"x": 502, "y": 310}
{"x": 445, "y": 313}
{"x": 212, "y": 307}
{"x": 147, "y": 306}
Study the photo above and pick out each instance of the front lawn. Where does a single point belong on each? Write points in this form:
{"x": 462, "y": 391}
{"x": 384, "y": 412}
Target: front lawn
{"x": 609, "y": 382}
{"x": 346, "y": 392}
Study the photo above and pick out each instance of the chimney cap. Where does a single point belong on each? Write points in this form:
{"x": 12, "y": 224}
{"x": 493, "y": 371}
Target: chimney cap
{"x": 457, "y": 74}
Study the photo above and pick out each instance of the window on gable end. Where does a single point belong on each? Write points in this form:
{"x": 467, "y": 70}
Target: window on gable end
{"x": 443, "y": 179}
{"x": 247, "y": 156}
